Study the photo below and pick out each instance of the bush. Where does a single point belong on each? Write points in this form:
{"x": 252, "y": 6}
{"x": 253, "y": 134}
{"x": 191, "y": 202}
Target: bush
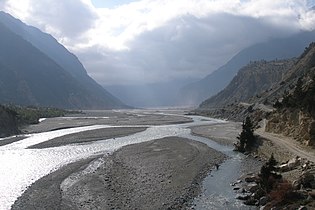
{"x": 281, "y": 193}
{"x": 268, "y": 175}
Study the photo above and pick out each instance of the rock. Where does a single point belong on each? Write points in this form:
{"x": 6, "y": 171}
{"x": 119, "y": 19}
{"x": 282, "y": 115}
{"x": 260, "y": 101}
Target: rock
{"x": 293, "y": 163}
{"x": 251, "y": 202}
{"x": 243, "y": 197}
{"x": 302, "y": 208}
{"x": 312, "y": 194}
{"x": 242, "y": 190}
{"x": 306, "y": 165}
{"x": 237, "y": 182}
{"x": 312, "y": 184}
{"x": 253, "y": 187}
{"x": 307, "y": 178}
{"x": 296, "y": 184}
{"x": 258, "y": 194}
{"x": 263, "y": 200}
{"x": 250, "y": 179}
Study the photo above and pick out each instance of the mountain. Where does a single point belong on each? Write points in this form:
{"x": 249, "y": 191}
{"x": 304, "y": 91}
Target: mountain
{"x": 43, "y": 72}
{"x": 295, "y": 110}
{"x": 251, "y": 80}
{"x": 281, "y": 92}
{"x": 282, "y": 48}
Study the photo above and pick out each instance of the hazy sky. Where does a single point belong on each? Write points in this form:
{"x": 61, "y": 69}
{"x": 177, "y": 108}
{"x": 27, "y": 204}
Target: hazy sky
{"x": 146, "y": 41}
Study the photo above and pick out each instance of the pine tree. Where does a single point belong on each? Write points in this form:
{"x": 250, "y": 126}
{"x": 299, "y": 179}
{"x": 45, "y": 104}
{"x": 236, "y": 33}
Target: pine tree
{"x": 246, "y": 138}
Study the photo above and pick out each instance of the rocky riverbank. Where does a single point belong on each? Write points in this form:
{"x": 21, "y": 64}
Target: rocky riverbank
{"x": 289, "y": 185}
{"x": 298, "y": 175}
{"x": 158, "y": 174}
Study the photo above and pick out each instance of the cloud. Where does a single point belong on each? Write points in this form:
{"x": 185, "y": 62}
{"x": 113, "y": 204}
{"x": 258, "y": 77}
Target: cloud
{"x": 186, "y": 47}
{"x": 148, "y": 41}
{"x": 66, "y": 20}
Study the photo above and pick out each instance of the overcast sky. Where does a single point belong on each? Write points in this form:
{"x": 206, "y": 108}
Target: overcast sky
{"x": 147, "y": 41}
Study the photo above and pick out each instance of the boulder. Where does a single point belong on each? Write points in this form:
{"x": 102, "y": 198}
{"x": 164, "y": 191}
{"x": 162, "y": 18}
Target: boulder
{"x": 292, "y": 164}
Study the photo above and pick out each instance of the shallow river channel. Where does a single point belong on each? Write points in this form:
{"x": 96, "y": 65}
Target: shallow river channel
{"x": 20, "y": 167}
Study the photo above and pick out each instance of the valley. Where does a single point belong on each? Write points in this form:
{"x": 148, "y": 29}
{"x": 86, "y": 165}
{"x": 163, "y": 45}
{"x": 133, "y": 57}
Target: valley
{"x": 111, "y": 105}
{"x": 172, "y": 127}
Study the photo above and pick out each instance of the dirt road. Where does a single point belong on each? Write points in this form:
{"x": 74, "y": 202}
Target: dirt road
{"x": 288, "y": 143}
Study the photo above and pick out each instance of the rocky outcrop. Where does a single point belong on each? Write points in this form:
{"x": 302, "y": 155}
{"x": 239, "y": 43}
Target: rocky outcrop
{"x": 293, "y": 123}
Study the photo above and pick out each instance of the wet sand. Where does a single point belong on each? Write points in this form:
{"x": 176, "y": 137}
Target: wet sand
{"x": 158, "y": 174}
{"x": 89, "y": 136}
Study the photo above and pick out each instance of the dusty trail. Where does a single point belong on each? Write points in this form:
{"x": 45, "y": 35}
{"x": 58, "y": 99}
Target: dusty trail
{"x": 287, "y": 143}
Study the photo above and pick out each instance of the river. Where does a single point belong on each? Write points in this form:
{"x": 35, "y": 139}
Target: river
{"x": 20, "y": 167}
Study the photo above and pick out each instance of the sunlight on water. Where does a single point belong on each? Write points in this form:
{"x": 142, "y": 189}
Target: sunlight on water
{"x": 20, "y": 167}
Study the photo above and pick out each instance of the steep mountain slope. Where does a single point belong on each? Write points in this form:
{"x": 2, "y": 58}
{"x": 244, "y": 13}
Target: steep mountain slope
{"x": 29, "y": 77}
{"x": 67, "y": 78}
{"x": 250, "y": 81}
{"x": 98, "y": 96}
{"x": 295, "y": 114}
{"x": 283, "y": 48}
{"x": 288, "y": 104}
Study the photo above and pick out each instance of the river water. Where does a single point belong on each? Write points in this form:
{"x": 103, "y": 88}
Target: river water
{"x": 20, "y": 167}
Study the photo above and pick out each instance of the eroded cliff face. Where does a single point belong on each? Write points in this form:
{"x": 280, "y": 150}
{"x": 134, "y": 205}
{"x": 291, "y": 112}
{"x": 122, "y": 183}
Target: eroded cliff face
{"x": 293, "y": 123}
{"x": 295, "y": 114}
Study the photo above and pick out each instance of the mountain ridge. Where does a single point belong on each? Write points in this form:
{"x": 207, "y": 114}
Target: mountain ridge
{"x": 251, "y": 80}
{"x": 286, "y": 107}
{"x": 66, "y": 64}
{"x": 281, "y": 48}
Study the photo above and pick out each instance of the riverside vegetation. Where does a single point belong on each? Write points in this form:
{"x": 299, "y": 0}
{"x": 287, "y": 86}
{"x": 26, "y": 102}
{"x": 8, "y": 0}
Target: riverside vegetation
{"x": 13, "y": 118}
